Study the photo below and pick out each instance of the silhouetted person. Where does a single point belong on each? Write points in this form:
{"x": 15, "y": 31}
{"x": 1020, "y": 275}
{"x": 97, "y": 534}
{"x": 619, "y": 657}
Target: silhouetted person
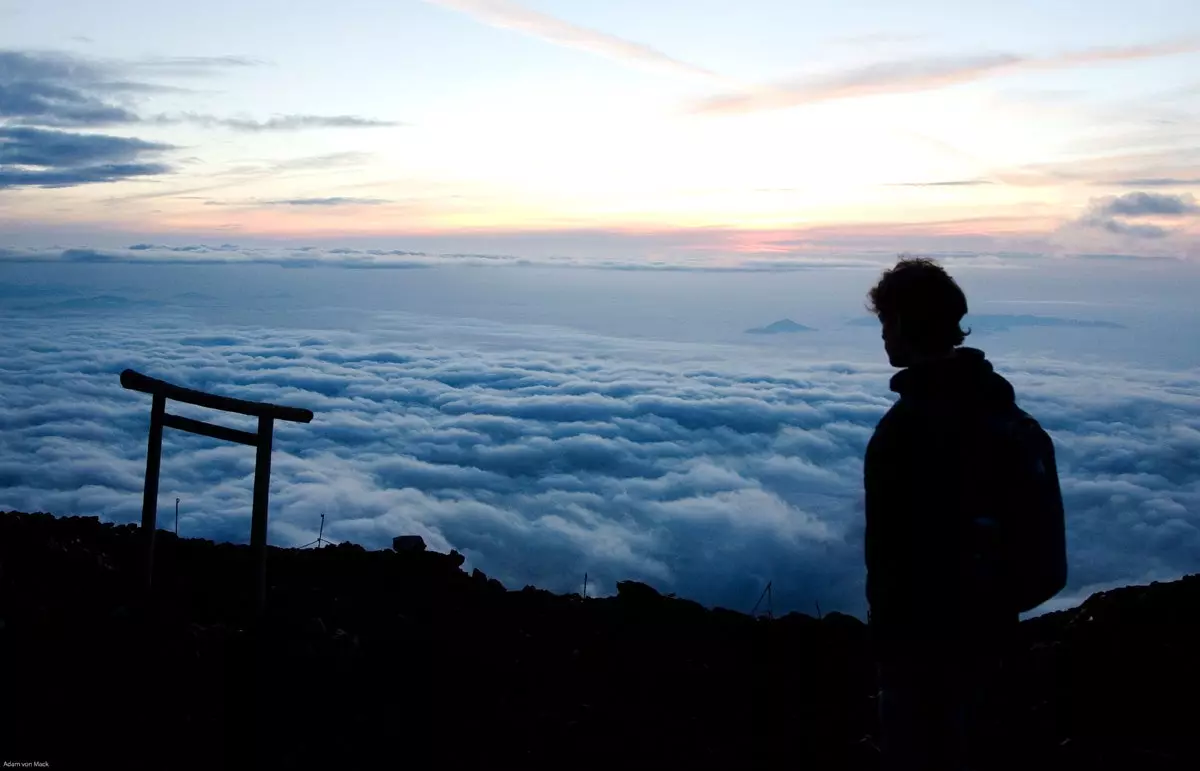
{"x": 964, "y": 527}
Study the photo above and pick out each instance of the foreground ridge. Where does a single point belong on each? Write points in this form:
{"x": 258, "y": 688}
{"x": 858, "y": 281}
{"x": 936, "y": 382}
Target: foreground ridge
{"x": 385, "y": 658}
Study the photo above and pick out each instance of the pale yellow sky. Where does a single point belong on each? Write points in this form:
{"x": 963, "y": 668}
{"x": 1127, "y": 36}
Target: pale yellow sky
{"x": 485, "y": 115}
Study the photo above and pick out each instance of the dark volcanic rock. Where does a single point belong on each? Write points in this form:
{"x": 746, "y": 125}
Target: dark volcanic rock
{"x": 369, "y": 659}
{"x": 408, "y": 543}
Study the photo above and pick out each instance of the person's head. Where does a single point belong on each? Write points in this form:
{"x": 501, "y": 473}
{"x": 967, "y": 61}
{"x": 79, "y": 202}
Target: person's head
{"x": 920, "y": 307}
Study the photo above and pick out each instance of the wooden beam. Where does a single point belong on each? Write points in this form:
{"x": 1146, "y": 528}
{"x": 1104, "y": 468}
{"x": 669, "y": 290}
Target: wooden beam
{"x": 136, "y": 381}
{"x": 208, "y": 429}
{"x": 258, "y": 518}
{"x": 150, "y": 491}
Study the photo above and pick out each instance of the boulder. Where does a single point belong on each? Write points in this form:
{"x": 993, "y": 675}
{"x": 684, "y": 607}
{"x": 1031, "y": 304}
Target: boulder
{"x": 408, "y": 543}
{"x": 637, "y": 591}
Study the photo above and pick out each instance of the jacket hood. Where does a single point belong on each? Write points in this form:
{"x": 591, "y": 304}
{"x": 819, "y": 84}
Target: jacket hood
{"x": 966, "y": 375}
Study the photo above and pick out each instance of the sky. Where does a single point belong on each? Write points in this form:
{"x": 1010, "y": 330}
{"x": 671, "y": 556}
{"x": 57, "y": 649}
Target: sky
{"x": 663, "y": 130}
{"x": 516, "y": 258}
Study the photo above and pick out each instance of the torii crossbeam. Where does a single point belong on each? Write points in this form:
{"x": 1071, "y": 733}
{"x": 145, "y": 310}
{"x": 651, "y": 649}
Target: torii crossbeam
{"x": 262, "y": 440}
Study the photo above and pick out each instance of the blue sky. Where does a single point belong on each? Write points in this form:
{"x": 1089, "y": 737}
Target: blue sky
{"x": 689, "y": 128}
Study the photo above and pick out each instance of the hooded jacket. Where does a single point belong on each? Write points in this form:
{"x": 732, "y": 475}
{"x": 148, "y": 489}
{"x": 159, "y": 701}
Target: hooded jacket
{"x": 926, "y": 479}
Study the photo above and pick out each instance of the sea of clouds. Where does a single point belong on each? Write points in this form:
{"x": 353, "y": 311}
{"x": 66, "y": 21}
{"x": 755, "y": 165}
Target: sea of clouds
{"x": 548, "y": 423}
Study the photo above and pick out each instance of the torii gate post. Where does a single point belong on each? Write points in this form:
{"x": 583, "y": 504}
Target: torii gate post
{"x": 262, "y": 440}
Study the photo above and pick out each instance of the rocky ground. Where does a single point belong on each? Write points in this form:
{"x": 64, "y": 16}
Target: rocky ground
{"x": 385, "y": 659}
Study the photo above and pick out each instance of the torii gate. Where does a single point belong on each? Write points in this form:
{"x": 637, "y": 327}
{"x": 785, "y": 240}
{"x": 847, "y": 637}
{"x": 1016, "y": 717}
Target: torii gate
{"x": 262, "y": 440}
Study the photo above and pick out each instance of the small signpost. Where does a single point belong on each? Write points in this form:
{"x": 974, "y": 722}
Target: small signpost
{"x": 320, "y": 536}
{"x": 262, "y": 440}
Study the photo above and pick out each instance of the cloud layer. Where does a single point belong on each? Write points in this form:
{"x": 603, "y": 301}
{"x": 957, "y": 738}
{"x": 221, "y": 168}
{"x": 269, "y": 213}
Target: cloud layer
{"x": 57, "y": 90}
{"x": 51, "y": 104}
{"x": 33, "y": 157}
{"x": 1112, "y": 214}
{"x": 917, "y": 74}
{"x": 542, "y": 453}
{"x": 1149, "y": 204}
{"x": 345, "y": 257}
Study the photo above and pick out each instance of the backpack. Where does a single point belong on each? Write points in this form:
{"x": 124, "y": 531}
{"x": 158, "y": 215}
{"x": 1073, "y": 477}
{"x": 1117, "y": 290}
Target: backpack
{"x": 1019, "y": 535}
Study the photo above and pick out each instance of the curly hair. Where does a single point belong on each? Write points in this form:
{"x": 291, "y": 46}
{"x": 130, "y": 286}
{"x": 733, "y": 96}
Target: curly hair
{"x": 921, "y": 295}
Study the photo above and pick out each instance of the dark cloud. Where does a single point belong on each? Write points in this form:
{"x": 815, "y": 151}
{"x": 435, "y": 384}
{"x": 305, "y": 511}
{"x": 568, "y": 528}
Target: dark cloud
{"x": 50, "y": 178}
{"x": 1155, "y": 182}
{"x": 36, "y": 157}
{"x": 41, "y": 94}
{"x": 542, "y": 453}
{"x": 1147, "y": 204}
{"x": 22, "y": 146}
{"x": 1117, "y": 227}
{"x": 193, "y": 248}
{"x": 64, "y": 91}
{"x": 59, "y": 91}
{"x": 1110, "y": 214}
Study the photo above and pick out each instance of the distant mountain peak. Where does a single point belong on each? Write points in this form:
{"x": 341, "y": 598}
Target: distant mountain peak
{"x": 781, "y": 327}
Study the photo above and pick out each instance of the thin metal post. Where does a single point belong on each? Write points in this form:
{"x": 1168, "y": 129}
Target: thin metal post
{"x": 585, "y": 584}
{"x": 150, "y": 491}
{"x": 176, "y": 517}
{"x": 765, "y": 593}
{"x": 258, "y": 521}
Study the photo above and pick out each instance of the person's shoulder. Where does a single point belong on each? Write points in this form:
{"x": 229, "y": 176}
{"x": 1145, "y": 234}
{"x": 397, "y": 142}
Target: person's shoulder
{"x": 893, "y": 423}
{"x": 1025, "y": 427}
